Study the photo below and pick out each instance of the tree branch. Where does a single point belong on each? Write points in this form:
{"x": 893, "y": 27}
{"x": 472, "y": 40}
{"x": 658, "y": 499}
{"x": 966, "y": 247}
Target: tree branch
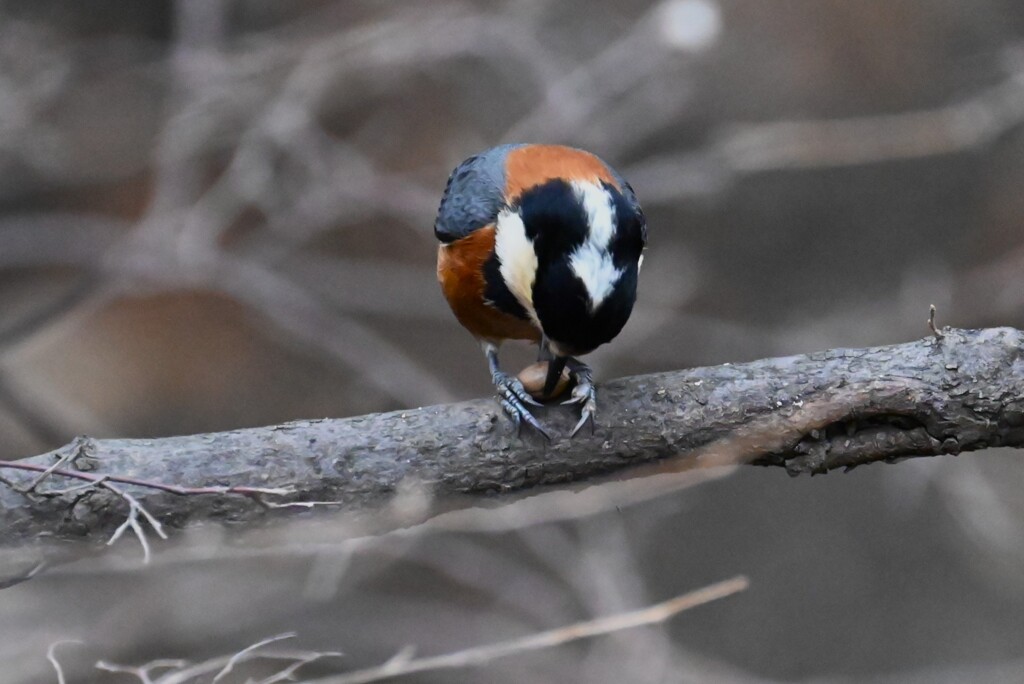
{"x": 810, "y": 414}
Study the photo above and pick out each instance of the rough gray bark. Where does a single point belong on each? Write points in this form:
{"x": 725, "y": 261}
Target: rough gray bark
{"x": 811, "y": 414}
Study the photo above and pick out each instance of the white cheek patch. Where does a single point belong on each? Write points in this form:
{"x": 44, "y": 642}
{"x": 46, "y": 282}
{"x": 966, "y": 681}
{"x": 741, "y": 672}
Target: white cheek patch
{"x": 596, "y": 271}
{"x": 591, "y": 261}
{"x": 597, "y": 204}
{"x": 517, "y": 258}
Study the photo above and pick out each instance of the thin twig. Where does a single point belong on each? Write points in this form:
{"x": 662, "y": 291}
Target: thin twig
{"x": 404, "y": 662}
{"x": 148, "y": 484}
{"x": 404, "y": 665}
{"x": 7, "y": 582}
{"x": 184, "y": 672}
{"x": 257, "y": 494}
{"x": 132, "y": 521}
{"x": 931, "y": 323}
{"x": 135, "y": 507}
{"x": 241, "y": 655}
{"x": 143, "y": 671}
{"x": 46, "y": 473}
{"x": 74, "y": 489}
{"x": 51, "y": 655}
{"x": 296, "y": 504}
{"x": 287, "y": 674}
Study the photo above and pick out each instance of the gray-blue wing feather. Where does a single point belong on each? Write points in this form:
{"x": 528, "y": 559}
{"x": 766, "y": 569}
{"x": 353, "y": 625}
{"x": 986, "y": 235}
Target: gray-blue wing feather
{"x": 474, "y": 195}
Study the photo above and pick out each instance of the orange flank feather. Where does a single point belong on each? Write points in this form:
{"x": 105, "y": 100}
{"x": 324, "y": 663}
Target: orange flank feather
{"x": 532, "y": 165}
{"x": 460, "y": 270}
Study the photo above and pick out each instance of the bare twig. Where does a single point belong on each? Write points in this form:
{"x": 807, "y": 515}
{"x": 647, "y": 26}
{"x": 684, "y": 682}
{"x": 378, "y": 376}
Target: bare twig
{"x": 51, "y": 655}
{"x": 135, "y": 509}
{"x": 931, "y": 323}
{"x": 180, "y": 490}
{"x": 143, "y": 672}
{"x": 404, "y": 664}
{"x": 245, "y": 652}
{"x": 10, "y": 581}
{"x": 71, "y": 454}
{"x": 185, "y": 672}
{"x": 257, "y": 494}
{"x": 287, "y": 673}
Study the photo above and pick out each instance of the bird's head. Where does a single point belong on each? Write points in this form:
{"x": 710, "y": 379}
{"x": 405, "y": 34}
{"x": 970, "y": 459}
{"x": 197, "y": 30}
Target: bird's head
{"x": 583, "y": 242}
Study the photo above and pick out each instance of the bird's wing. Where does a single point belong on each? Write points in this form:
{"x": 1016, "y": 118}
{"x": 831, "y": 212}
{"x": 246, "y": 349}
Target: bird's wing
{"x": 474, "y": 195}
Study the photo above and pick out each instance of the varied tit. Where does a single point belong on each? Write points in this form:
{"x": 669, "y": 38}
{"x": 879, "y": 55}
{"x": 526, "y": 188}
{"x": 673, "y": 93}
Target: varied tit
{"x": 540, "y": 243}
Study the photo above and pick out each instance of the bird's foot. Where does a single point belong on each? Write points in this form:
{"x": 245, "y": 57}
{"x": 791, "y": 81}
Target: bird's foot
{"x": 583, "y": 394}
{"x": 514, "y": 398}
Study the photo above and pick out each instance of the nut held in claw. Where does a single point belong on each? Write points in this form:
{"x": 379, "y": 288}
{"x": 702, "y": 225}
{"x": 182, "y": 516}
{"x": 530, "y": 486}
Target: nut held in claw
{"x": 533, "y": 377}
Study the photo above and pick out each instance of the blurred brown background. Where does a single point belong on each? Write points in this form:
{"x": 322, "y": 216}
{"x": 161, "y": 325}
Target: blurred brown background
{"x": 217, "y": 213}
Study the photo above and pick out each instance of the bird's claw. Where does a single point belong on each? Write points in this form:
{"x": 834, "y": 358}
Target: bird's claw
{"x": 585, "y": 395}
{"x": 511, "y": 388}
{"x": 514, "y": 398}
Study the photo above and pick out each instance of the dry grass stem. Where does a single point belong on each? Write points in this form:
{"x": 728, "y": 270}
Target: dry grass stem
{"x": 403, "y": 664}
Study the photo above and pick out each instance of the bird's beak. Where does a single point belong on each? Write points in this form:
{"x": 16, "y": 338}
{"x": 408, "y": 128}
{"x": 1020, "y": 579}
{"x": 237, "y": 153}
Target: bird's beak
{"x": 555, "y": 367}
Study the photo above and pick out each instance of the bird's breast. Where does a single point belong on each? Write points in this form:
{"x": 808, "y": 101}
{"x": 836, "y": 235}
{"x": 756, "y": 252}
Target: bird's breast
{"x": 462, "y": 269}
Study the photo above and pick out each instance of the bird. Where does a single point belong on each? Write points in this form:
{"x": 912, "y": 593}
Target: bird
{"x": 542, "y": 243}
